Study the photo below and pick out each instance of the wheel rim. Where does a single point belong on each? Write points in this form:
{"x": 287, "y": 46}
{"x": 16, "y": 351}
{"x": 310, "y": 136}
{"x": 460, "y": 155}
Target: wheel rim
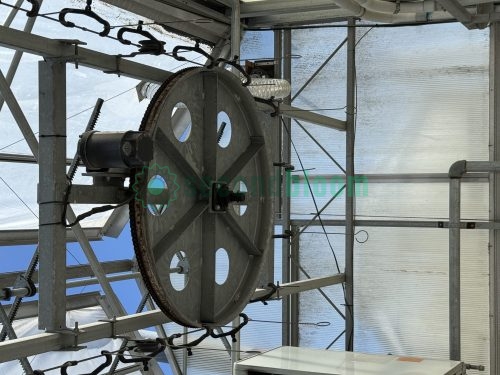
{"x": 174, "y": 222}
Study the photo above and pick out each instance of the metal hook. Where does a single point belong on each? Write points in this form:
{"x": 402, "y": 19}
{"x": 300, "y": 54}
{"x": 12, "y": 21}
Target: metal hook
{"x": 35, "y": 8}
{"x": 145, "y": 360}
{"x": 197, "y": 49}
{"x": 85, "y": 12}
{"x": 189, "y": 345}
{"x": 150, "y": 46}
{"x": 108, "y": 360}
{"x": 234, "y": 331}
{"x": 234, "y": 64}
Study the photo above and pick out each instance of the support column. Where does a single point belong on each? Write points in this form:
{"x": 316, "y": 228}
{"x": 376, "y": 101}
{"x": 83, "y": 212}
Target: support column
{"x": 52, "y": 184}
{"x": 235, "y": 29}
{"x": 454, "y": 269}
{"x": 494, "y": 199}
{"x": 349, "y": 202}
{"x": 294, "y": 298}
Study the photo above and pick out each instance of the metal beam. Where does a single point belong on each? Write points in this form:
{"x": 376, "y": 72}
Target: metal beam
{"x": 454, "y": 271}
{"x": 8, "y": 279}
{"x": 300, "y": 18}
{"x": 116, "y": 222}
{"x": 65, "y": 49}
{"x": 294, "y": 299}
{"x": 20, "y": 158}
{"x": 174, "y": 19}
{"x": 30, "y": 236}
{"x": 494, "y": 238}
{"x": 396, "y": 178}
{"x": 286, "y": 157}
{"x": 235, "y": 30}
{"x": 45, "y": 342}
{"x": 458, "y": 11}
{"x": 41, "y": 343}
{"x": 399, "y": 224}
{"x": 198, "y": 9}
{"x": 302, "y": 286}
{"x": 73, "y": 302}
{"x": 279, "y": 7}
{"x": 314, "y": 118}
{"x": 351, "y": 186}
{"x": 110, "y": 279}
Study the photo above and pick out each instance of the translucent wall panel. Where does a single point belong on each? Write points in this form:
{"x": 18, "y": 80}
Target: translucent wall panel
{"x": 422, "y": 97}
{"x": 422, "y": 103}
{"x": 386, "y": 201}
{"x": 401, "y": 297}
{"x": 317, "y": 259}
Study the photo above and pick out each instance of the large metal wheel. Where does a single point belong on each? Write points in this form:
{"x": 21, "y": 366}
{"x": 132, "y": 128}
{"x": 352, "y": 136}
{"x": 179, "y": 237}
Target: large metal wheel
{"x": 199, "y": 246}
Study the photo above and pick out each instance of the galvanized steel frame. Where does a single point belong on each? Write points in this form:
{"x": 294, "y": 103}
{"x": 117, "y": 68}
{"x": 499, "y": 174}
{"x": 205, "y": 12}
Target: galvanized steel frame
{"x": 23, "y": 41}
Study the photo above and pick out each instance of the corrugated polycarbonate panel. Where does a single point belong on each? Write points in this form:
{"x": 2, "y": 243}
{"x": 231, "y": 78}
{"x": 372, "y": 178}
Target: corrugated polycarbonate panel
{"x": 422, "y": 104}
{"x": 391, "y": 201}
{"x": 318, "y": 260}
{"x": 422, "y": 97}
{"x": 401, "y": 297}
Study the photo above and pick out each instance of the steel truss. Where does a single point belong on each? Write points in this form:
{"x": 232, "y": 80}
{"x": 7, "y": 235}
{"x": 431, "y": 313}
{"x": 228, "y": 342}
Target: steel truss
{"x": 57, "y": 55}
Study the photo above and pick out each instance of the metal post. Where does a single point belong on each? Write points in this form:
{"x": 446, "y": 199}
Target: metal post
{"x": 52, "y": 177}
{"x": 494, "y": 242}
{"x": 294, "y": 298}
{"x": 349, "y": 205}
{"x": 235, "y": 29}
{"x": 236, "y": 345}
{"x": 285, "y": 204}
{"x": 454, "y": 269}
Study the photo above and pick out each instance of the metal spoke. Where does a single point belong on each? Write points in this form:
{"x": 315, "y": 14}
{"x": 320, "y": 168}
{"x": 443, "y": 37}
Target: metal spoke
{"x": 207, "y": 303}
{"x": 173, "y": 235}
{"x": 256, "y": 143}
{"x": 210, "y": 144}
{"x": 241, "y": 235}
{"x": 169, "y": 149}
